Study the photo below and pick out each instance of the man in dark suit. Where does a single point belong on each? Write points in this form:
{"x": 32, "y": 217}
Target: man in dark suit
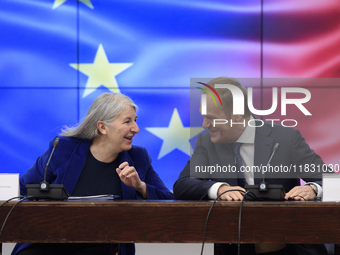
{"x": 248, "y": 142}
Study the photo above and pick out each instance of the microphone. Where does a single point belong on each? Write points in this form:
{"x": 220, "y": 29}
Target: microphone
{"x": 263, "y": 184}
{"x": 45, "y": 190}
{"x": 265, "y": 191}
{"x": 44, "y": 185}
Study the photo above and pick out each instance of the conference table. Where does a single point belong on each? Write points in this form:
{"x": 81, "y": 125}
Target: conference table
{"x": 144, "y": 221}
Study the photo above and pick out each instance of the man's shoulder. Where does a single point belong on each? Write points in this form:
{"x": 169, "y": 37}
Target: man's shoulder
{"x": 278, "y": 131}
{"x": 204, "y": 142}
{"x": 205, "y": 136}
{"x": 205, "y": 139}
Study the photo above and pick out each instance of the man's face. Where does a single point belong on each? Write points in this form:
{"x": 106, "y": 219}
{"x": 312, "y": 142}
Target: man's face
{"x": 221, "y": 133}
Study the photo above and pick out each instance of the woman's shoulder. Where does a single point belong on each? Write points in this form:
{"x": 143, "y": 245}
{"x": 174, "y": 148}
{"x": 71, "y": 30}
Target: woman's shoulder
{"x": 137, "y": 155}
{"x": 67, "y": 144}
{"x": 70, "y": 140}
{"x": 136, "y": 149}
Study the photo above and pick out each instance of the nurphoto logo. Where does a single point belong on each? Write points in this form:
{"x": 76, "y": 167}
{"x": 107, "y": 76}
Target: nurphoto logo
{"x": 238, "y": 103}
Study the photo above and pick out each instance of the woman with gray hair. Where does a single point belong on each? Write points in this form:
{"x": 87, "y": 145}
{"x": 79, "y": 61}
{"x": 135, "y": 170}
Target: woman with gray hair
{"x": 95, "y": 158}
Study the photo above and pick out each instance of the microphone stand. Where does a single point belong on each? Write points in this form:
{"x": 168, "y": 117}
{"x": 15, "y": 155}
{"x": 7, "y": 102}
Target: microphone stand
{"x": 45, "y": 190}
{"x": 264, "y": 191}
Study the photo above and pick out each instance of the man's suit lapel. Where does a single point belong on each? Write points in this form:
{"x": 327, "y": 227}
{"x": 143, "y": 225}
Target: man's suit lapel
{"x": 263, "y": 149}
{"x": 226, "y": 157}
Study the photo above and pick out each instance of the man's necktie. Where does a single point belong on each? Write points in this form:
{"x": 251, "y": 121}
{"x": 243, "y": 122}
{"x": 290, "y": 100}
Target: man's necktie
{"x": 240, "y": 176}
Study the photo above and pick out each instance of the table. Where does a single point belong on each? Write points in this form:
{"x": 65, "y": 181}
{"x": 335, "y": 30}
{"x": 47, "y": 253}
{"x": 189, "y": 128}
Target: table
{"x": 125, "y": 221}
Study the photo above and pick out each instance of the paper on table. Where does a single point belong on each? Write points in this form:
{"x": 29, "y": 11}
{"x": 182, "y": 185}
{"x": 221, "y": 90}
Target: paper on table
{"x": 9, "y": 186}
{"x": 331, "y": 187}
{"x": 104, "y": 197}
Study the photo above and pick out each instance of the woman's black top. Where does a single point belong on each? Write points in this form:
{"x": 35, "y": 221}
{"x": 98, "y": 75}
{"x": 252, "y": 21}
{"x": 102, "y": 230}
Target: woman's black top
{"x": 98, "y": 178}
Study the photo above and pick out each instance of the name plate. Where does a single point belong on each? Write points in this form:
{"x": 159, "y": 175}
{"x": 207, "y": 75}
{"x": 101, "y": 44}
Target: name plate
{"x": 331, "y": 187}
{"x": 9, "y": 186}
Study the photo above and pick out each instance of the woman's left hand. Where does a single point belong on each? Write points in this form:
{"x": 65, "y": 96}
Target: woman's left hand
{"x": 129, "y": 176}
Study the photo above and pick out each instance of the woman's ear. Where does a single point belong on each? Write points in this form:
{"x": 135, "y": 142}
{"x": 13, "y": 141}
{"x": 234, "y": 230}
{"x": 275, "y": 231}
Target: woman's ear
{"x": 101, "y": 127}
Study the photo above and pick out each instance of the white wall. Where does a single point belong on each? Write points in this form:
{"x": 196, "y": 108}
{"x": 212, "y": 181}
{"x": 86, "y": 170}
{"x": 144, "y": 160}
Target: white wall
{"x": 173, "y": 248}
{"x": 7, "y": 248}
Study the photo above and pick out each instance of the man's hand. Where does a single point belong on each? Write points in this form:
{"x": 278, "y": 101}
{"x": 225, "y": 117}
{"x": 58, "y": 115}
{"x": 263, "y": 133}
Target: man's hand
{"x": 231, "y": 195}
{"x": 301, "y": 193}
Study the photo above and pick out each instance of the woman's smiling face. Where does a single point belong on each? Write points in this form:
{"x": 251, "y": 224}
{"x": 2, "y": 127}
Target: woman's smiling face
{"x": 121, "y": 130}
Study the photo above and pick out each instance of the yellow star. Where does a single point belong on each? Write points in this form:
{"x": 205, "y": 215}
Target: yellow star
{"x": 101, "y": 72}
{"x": 175, "y": 136}
{"x": 57, "y": 3}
